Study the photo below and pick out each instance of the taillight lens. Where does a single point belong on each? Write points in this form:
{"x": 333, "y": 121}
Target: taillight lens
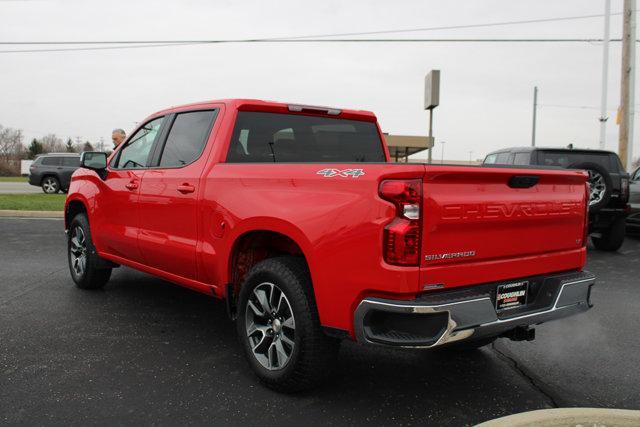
{"x": 624, "y": 190}
{"x": 587, "y": 194}
{"x": 402, "y": 236}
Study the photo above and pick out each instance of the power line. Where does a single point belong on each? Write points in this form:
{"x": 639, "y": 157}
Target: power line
{"x": 316, "y": 36}
{"x": 209, "y": 42}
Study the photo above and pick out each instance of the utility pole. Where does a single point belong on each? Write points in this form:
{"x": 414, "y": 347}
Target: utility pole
{"x": 535, "y": 109}
{"x": 605, "y": 72}
{"x": 625, "y": 141}
{"x": 470, "y": 156}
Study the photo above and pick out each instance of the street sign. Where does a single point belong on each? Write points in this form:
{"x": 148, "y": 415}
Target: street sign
{"x": 432, "y": 90}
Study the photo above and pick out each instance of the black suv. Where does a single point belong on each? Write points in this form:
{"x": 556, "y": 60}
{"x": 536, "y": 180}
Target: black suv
{"x": 53, "y": 171}
{"x": 608, "y": 182}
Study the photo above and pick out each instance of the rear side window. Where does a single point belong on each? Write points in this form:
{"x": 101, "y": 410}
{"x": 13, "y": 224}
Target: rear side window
{"x": 51, "y": 161}
{"x": 71, "y": 161}
{"x": 566, "y": 159}
{"x": 522, "y": 159}
{"x": 187, "y": 138}
{"x": 269, "y": 137}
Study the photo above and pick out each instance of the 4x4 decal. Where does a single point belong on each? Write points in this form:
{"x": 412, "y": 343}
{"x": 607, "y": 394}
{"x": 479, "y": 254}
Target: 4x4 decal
{"x": 329, "y": 173}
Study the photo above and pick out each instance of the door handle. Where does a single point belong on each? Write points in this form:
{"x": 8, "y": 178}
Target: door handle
{"x": 186, "y": 188}
{"x": 132, "y": 185}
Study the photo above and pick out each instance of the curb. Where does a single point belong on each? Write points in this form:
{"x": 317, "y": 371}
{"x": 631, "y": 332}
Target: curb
{"x": 568, "y": 417}
{"x": 31, "y": 214}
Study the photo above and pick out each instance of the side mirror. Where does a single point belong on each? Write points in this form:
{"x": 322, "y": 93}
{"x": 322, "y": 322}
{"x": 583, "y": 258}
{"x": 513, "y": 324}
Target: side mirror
{"x": 94, "y": 160}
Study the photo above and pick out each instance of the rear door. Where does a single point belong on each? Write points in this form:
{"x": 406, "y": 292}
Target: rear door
{"x": 168, "y": 233}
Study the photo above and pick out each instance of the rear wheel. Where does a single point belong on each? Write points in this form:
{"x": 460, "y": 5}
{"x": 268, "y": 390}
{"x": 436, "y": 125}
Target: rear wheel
{"x": 84, "y": 262}
{"x": 279, "y": 328}
{"x": 50, "y": 185}
{"x": 611, "y": 239}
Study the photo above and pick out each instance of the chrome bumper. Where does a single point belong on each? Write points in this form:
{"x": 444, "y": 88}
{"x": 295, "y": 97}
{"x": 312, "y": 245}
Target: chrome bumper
{"x": 456, "y": 319}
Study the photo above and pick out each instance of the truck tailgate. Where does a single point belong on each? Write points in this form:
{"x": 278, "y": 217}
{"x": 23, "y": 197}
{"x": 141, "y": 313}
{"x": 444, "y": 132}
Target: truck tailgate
{"x": 488, "y": 224}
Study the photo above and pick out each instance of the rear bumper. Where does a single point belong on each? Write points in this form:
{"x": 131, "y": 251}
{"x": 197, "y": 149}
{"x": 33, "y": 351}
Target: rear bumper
{"x": 460, "y": 315}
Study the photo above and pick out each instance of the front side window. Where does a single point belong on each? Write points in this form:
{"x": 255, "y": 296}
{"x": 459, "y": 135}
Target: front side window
{"x": 260, "y": 137}
{"x": 502, "y": 159}
{"x": 71, "y": 161}
{"x": 490, "y": 159}
{"x": 521, "y": 158}
{"x": 187, "y": 138}
{"x": 135, "y": 153}
{"x": 51, "y": 161}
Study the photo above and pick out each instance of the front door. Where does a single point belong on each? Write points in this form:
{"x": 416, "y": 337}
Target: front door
{"x": 116, "y": 207}
{"x": 169, "y": 195}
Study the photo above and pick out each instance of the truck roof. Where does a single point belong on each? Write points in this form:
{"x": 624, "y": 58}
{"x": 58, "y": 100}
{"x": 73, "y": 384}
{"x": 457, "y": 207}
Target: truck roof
{"x": 277, "y": 107}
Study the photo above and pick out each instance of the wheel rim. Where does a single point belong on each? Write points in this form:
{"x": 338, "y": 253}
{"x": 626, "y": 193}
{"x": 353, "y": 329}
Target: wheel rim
{"x": 270, "y": 326}
{"x": 78, "y": 251}
{"x": 50, "y": 185}
{"x": 597, "y": 187}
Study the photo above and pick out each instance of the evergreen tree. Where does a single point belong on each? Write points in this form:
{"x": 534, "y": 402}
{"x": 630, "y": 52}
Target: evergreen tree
{"x": 35, "y": 148}
{"x": 70, "y": 146}
{"x": 87, "y": 146}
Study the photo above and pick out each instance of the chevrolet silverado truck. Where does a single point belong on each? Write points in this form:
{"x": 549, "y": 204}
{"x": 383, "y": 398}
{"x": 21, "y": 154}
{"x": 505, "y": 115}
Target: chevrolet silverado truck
{"x": 295, "y": 217}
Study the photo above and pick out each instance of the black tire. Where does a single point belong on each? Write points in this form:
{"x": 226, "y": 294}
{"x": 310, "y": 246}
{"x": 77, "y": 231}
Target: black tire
{"x": 87, "y": 274}
{"x": 470, "y": 345}
{"x": 606, "y": 178}
{"x": 50, "y": 184}
{"x": 312, "y": 355}
{"x": 613, "y": 238}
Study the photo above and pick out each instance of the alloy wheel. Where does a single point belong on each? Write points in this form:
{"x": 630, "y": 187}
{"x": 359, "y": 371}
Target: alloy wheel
{"x": 597, "y": 187}
{"x": 78, "y": 251}
{"x": 270, "y": 326}
{"x": 50, "y": 185}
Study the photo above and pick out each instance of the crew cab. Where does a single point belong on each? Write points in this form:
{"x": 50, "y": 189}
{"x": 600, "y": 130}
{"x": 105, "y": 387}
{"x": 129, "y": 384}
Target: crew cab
{"x": 294, "y": 215}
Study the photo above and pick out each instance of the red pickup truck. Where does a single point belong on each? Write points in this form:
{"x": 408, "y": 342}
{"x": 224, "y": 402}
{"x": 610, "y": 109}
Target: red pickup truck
{"x": 295, "y": 216}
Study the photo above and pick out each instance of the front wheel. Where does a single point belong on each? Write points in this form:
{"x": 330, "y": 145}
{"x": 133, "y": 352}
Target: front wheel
{"x": 84, "y": 262}
{"x": 279, "y": 328}
{"x": 612, "y": 239}
{"x": 50, "y": 185}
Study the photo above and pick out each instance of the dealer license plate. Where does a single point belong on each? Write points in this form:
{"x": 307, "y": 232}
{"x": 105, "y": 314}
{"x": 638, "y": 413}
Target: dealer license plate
{"x": 511, "y": 295}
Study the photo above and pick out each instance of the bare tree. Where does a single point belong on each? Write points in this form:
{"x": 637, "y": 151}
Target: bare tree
{"x": 11, "y": 147}
{"x": 52, "y": 144}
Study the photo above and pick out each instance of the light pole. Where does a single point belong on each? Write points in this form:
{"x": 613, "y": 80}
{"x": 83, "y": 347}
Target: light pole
{"x": 442, "y": 153}
{"x": 470, "y": 156}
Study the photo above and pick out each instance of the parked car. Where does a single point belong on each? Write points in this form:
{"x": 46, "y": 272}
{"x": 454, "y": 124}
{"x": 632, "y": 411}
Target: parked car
{"x": 53, "y": 171}
{"x": 608, "y": 182}
{"x": 633, "y": 220}
{"x": 297, "y": 218}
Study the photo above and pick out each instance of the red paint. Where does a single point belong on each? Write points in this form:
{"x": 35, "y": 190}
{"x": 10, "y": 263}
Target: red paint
{"x": 182, "y": 224}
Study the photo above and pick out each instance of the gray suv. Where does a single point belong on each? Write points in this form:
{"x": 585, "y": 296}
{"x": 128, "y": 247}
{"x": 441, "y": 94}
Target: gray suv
{"x": 53, "y": 171}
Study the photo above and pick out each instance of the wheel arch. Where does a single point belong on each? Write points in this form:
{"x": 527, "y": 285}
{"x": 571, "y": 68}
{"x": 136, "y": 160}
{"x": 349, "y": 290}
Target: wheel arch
{"x": 253, "y": 245}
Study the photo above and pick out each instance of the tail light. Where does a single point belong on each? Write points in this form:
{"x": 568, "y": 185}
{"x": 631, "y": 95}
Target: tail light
{"x": 624, "y": 189}
{"x": 402, "y": 236}
{"x": 587, "y": 198}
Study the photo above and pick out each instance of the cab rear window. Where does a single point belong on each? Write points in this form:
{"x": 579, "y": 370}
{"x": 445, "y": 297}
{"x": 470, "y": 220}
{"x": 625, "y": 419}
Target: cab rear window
{"x": 260, "y": 137}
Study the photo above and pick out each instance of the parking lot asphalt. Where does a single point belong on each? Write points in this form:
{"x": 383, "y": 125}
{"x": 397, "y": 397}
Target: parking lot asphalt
{"x": 145, "y": 351}
{"x": 18, "y": 188}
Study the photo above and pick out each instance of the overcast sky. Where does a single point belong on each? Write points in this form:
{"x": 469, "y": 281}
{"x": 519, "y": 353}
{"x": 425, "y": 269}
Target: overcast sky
{"x": 486, "y": 91}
